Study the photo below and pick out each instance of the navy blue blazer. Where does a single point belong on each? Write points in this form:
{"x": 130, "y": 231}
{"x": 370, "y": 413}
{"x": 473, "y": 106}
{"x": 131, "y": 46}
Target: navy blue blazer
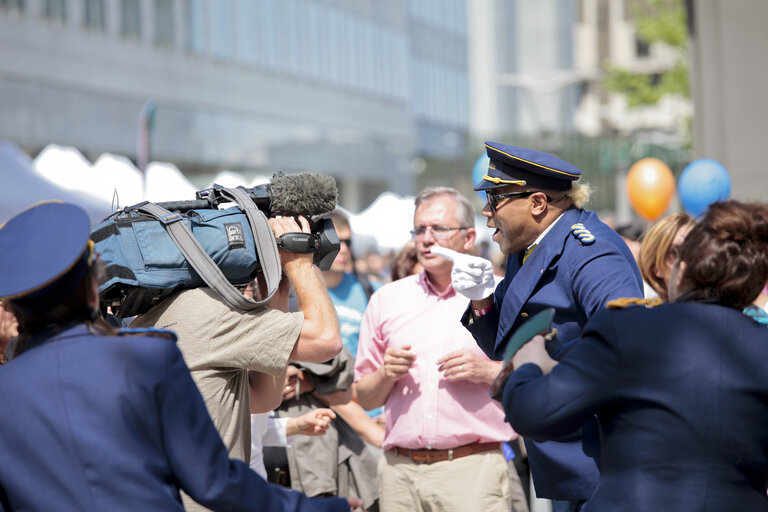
{"x": 94, "y": 423}
{"x": 577, "y": 280}
{"x": 681, "y": 394}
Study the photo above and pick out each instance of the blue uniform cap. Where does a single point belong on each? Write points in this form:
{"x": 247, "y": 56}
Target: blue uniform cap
{"x": 41, "y": 245}
{"x": 526, "y": 167}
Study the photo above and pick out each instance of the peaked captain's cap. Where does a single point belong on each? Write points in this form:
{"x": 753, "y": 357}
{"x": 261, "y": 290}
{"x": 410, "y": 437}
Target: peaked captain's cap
{"x": 45, "y": 254}
{"x": 511, "y": 165}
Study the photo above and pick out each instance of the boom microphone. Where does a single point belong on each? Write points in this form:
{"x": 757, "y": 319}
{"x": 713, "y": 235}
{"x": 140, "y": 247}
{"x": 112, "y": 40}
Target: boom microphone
{"x": 302, "y": 194}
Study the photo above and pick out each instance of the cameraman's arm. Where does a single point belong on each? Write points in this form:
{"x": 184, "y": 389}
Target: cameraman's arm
{"x": 319, "y": 339}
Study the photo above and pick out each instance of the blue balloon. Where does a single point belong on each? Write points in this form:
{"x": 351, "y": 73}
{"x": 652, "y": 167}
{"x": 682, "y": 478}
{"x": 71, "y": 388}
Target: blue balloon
{"x": 702, "y": 183}
{"x": 478, "y": 171}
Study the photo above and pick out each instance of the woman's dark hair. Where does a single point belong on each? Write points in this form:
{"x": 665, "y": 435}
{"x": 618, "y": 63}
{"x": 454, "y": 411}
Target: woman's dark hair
{"x": 74, "y": 308}
{"x": 726, "y": 254}
{"x": 404, "y": 261}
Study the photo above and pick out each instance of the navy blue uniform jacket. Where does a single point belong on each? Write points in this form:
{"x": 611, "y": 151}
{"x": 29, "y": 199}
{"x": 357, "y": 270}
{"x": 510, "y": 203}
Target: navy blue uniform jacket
{"x": 681, "y": 394}
{"x": 576, "y": 280}
{"x": 93, "y": 423}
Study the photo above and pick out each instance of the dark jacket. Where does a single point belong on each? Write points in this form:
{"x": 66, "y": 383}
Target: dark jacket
{"x": 92, "y": 423}
{"x": 576, "y": 279}
{"x": 681, "y": 394}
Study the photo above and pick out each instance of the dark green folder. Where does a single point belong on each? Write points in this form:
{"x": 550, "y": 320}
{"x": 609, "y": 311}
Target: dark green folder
{"x": 540, "y": 323}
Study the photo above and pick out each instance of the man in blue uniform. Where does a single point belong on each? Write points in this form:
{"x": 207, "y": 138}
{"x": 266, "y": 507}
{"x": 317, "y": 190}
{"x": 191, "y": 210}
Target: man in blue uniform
{"x": 558, "y": 255}
{"x": 94, "y": 419}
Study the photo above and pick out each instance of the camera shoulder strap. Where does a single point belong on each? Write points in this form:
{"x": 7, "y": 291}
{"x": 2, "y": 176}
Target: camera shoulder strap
{"x": 263, "y": 236}
{"x": 208, "y": 270}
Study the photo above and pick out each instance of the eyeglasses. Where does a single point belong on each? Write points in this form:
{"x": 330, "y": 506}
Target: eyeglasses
{"x": 439, "y": 232}
{"x": 493, "y": 199}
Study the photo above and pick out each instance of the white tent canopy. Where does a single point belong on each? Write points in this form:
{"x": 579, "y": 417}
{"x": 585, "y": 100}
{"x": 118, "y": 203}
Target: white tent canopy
{"x": 165, "y": 182}
{"x": 117, "y": 180}
{"x": 385, "y": 225}
{"x": 112, "y": 178}
{"x": 67, "y": 168}
{"x": 23, "y": 187}
{"x": 232, "y": 179}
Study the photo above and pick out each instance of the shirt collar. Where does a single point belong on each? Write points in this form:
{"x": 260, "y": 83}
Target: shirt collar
{"x": 544, "y": 233}
{"x": 431, "y": 290}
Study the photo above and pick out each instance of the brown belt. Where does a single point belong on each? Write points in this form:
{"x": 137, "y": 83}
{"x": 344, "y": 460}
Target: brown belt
{"x": 430, "y": 456}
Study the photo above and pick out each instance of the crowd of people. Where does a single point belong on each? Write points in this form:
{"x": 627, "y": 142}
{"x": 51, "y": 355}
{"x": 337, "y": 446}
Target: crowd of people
{"x": 361, "y": 391}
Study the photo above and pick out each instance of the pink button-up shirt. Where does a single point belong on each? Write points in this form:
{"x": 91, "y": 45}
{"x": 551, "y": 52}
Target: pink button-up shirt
{"x": 424, "y": 410}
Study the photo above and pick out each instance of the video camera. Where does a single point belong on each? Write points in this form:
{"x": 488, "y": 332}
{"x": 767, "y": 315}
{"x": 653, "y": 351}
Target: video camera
{"x": 308, "y": 195}
{"x": 145, "y": 262}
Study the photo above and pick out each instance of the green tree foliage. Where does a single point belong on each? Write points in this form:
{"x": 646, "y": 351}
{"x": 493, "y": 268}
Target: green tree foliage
{"x": 657, "y": 21}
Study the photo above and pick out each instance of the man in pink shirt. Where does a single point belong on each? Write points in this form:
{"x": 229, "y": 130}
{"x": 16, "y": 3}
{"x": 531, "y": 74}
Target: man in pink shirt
{"x": 442, "y": 447}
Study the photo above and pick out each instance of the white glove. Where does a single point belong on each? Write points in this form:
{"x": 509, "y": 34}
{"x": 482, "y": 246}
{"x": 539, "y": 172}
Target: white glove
{"x": 471, "y": 276}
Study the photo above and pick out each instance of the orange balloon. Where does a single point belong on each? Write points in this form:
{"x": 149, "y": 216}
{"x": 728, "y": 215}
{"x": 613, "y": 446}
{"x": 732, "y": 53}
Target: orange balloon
{"x": 650, "y": 185}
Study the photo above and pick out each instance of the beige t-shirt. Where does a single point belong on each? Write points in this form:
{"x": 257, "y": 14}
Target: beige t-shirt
{"x": 220, "y": 345}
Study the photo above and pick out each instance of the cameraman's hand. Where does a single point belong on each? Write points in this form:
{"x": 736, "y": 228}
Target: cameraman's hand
{"x": 283, "y": 225}
{"x": 319, "y": 339}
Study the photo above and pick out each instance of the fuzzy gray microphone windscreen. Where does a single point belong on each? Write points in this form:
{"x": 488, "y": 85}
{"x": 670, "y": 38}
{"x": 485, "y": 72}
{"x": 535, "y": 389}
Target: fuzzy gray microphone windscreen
{"x": 305, "y": 194}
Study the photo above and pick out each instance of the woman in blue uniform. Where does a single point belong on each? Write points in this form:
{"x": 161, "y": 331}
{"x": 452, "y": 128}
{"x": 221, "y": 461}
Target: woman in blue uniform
{"x": 96, "y": 420}
{"x": 680, "y": 390}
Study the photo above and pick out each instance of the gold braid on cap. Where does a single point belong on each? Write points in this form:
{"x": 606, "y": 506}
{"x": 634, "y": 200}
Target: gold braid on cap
{"x": 496, "y": 181}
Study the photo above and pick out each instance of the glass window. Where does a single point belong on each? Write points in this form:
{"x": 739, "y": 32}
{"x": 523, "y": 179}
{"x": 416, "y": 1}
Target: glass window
{"x": 194, "y": 28}
{"x": 164, "y": 22}
{"x": 222, "y": 19}
{"x": 642, "y": 48}
{"x": 246, "y": 30}
{"x": 292, "y": 41}
{"x": 13, "y": 4}
{"x": 130, "y": 18}
{"x": 334, "y": 48}
{"x": 93, "y": 14}
{"x": 366, "y": 58}
{"x": 314, "y": 46}
{"x": 55, "y": 10}
{"x": 269, "y": 51}
{"x": 324, "y": 42}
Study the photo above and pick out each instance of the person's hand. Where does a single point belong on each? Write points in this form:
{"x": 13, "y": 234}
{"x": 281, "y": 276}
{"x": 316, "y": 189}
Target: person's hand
{"x": 397, "y": 362}
{"x": 296, "y": 383}
{"x": 355, "y": 503}
{"x": 283, "y": 225}
{"x": 534, "y": 352}
{"x": 466, "y": 365}
{"x": 471, "y": 276}
{"x": 313, "y": 423}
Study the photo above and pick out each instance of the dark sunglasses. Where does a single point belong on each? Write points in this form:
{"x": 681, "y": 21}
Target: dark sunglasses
{"x": 493, "y": 199}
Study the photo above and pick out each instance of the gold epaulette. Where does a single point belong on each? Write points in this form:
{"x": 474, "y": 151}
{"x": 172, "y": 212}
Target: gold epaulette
{"x": 629, "y": 301}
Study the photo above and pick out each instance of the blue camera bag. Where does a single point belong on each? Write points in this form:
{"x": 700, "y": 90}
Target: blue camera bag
{"x": 150, "y": 252}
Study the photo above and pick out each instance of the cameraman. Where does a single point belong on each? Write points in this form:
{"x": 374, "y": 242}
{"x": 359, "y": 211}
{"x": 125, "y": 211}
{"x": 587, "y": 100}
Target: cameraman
{"x": 221, "y": 345}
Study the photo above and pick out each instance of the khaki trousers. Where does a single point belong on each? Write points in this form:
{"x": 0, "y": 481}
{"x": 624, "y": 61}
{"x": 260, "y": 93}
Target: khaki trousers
{"x": 481, "y": 482}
